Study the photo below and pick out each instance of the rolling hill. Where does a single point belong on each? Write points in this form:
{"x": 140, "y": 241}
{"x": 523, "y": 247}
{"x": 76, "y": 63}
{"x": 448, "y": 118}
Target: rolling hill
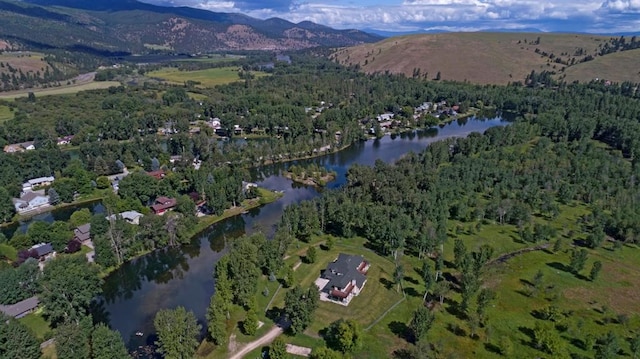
{"x": 497, "y": 58}
{"x": 129, "y": 26}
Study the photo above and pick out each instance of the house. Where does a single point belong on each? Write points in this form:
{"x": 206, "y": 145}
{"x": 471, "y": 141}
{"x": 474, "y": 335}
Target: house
{"x": 163, "y": 204}
{"x": 64, "y": 140}
{"x": 82, "y": 233}
{"x": 30, "y": 201}
{"x": 37, "y": 182}
{"x": 246, "y": 186}
{"x": 20, "y": 309}
{"x": 343, "y": 279}
{"x": 197, "y": 199}
{"x": 13, "y": 148}
{"x": 44, "y": 250}
{"x": 385, "y": 117}
{"x": 159, "y": 174}
{"x": 132, "y": 217}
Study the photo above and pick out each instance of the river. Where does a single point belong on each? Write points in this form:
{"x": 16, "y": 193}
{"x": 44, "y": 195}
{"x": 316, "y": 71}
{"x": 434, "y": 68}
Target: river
{"x": 183, "y": 276}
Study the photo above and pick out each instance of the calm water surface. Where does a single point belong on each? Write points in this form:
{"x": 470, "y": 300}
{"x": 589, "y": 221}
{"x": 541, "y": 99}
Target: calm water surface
{"x": 183, "y": 276}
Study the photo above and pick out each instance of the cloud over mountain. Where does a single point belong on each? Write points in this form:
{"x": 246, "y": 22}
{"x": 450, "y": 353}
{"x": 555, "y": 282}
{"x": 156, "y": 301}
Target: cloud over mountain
{"x": 450, "y": 15}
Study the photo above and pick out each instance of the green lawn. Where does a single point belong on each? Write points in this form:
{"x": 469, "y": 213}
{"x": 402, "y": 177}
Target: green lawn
{"x": 37, "y": 324}
{"x": 206, "y": 78}
{"x": 5, "y": 113}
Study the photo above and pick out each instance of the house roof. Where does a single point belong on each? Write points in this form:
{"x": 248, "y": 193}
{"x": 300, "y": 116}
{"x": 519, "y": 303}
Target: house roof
{"x": 43, "y": 249}
{"x": 159, "y": 174}
{"x": 164, "y": 203}
{"x": 343, "y": 270}
{"x": 85, "y": 228}
{"x": 83, "y": 232}
{"x": 21, "y": 307}
{"x": 126, "y": 215}
{"x": 39, "y": 180}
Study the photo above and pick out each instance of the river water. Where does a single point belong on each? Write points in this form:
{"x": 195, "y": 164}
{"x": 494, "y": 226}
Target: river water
{"x": 183, "y": 276}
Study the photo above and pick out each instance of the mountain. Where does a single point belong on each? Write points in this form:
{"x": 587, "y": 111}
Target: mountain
{"x": 130, "y": 26}
{"x": 499, "y": 57}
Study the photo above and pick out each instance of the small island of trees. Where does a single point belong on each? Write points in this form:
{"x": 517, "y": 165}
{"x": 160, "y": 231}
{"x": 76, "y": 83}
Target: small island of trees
{"x": 311, "y": 175}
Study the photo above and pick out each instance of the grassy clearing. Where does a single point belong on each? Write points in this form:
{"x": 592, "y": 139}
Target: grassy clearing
{"x": 8, "y": 251}
{"x": 5, "y": 113}
{"x": 205, "y": 78}
{"x": 62, "y": 90}
{"x": 49, "y": 352}
{"x": 38, "y": 325}
{"x": 24, "y": 60}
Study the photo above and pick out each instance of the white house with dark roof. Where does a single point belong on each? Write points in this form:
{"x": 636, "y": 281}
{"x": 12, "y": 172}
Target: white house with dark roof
{"x": 37, "y": 182}
{"x": 30, "y": 201}
{"x": 343, "y": 279}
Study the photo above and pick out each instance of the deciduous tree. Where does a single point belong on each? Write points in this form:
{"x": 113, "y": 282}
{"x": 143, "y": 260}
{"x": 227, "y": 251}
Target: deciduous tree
{"x": 178, "y": 332}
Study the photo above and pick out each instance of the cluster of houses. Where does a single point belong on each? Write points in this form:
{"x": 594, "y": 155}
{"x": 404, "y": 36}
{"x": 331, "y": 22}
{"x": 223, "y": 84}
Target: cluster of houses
{"x": 30, "y": 145}
{"x": 33, "y": 195}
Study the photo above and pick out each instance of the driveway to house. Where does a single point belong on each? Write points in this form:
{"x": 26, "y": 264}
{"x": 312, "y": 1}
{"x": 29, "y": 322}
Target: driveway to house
{"x": 263, "y": 340}
{"x": 92, "y": 254}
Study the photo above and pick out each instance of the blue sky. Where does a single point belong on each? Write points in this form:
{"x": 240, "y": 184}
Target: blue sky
{"x": 596, "y": 16}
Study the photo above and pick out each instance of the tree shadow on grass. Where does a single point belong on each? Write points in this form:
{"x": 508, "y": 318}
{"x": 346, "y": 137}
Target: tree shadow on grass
{"x": 387, "y": 283}
{"x": 411, "y": 280}
{"x": 274, "y": 314}
{"x": 559, "y": 266}
{"x": 456, "y": 329}
{"x": 400, "y": 329}
{"x": 530, "y": 335}
{"x": 412, "y": 292}
{"x": 492, "y": 348}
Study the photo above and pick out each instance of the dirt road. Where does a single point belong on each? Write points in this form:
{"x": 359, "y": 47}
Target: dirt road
{"x": 263, "y": 340}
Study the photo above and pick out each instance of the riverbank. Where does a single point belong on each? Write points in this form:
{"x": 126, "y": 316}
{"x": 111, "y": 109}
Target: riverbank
{"x": 265, "y": 197}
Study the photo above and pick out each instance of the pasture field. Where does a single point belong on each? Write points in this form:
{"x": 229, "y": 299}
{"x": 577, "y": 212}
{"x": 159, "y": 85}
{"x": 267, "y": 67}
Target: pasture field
{"x": 205, "y": 78}
{"x": 62, "y": 90}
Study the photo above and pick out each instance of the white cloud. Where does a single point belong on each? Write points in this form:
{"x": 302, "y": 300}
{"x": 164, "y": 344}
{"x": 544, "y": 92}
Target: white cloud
{"x": 463, "y": 15}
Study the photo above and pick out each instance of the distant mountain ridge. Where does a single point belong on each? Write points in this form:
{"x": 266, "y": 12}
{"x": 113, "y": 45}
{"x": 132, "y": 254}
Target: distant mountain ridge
{"x": 131, "y": 26}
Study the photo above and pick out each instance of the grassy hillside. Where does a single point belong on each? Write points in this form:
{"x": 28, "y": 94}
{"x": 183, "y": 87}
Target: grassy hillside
{"x": 207, "y": 78}
{"x": 496, "y": 58}
{"x": 618, "y": 67}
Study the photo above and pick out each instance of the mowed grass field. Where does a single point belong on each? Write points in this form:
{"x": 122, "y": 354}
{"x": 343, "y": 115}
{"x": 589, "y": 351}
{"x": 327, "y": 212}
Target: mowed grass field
{"x": 62, "y": 90}
{"x": 206, "y": 78}
{"x": 5, "y": 113}
{"x": 477, "y": 57}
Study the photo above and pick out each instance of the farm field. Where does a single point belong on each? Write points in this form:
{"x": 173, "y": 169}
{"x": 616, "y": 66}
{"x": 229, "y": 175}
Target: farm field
{"x": 62, "y": 90}
{"x": 26, "y": 61}
{"x": 204, "y": 78}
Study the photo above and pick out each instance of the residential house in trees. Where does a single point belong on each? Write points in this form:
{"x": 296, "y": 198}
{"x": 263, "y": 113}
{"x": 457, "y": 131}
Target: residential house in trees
{"x": 163, "y": 204}
{"x": 45, "y": 251}
{"x": 132, "y": 217}
{"x": 30, "y": 201}
{"x": 82, "y": 233}
{"x": 343, "y": 279}
{"x": 37, "y": 182}
{"x": 20, "y": 309}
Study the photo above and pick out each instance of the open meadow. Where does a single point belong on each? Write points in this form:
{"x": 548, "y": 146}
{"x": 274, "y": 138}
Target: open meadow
{"x": 5, "y": 113}
{"x": 204, "y": 78}
{"x": 62, "y": 90}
